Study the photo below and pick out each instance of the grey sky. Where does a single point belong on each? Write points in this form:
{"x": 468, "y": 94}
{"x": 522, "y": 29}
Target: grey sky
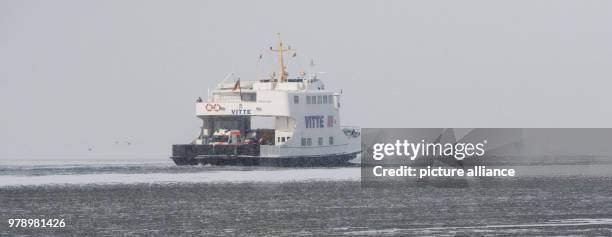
{"x": 84, "y": 74}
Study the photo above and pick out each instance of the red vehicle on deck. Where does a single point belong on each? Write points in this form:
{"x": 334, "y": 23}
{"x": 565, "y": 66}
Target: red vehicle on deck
{"x": 226, "y": 137}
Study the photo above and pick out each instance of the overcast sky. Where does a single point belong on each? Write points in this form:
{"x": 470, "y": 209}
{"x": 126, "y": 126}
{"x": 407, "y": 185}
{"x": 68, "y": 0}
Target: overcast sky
{"x": 76, "y": 75}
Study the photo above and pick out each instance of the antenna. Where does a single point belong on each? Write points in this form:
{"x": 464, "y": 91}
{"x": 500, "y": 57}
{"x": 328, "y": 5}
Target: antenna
{"x": 281, "y": 50}
{"x": 225, "y": 79}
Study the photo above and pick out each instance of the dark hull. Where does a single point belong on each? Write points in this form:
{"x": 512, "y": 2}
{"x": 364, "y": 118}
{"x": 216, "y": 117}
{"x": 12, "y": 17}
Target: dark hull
{"x": 245, "y": 155}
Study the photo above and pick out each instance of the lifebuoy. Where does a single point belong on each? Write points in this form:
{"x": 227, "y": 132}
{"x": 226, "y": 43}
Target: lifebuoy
{"x": 213, "y": 107}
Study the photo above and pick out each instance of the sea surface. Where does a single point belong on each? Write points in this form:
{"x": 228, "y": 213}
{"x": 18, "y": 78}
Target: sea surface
{"x": 117, "y": 198}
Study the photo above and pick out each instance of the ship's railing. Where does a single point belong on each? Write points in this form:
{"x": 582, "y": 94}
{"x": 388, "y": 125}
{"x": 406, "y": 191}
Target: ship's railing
{"x": 226, "y": 98}
{"x": 269, "y": 151}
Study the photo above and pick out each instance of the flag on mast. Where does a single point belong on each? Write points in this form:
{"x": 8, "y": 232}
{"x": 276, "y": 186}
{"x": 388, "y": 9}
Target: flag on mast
{"x": 237, "y": 85}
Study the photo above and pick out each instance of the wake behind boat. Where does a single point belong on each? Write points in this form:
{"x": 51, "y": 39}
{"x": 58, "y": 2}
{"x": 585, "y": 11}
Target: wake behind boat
{"x": 305, "y": 119}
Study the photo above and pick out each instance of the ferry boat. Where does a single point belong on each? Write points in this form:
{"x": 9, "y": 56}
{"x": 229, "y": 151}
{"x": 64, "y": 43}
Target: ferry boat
{"x": 304, "y": 131}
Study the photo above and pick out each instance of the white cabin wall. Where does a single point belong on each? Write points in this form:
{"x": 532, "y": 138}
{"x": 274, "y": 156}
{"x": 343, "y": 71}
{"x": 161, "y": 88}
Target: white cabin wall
{"x": 302, "y": 109}
{"x": 262, "y": 122}
{"x": 276, "y": 101}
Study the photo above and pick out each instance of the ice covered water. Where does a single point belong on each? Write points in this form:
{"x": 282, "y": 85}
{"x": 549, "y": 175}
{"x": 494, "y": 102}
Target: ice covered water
{"x": 162, "y": 199}
{"x": 19, "y": 174}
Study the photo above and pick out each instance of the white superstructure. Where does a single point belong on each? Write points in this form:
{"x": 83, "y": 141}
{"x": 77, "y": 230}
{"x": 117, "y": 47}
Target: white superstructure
{"x": 305, "y": 115}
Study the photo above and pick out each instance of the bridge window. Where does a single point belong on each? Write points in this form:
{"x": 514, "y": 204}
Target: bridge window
{"x": 320, "y": 141}
{"x": 248, "y": 96}
{"x": 331, "y": 140}
{"x": 303, "y": 141}
{"x": 308, "y": 100}
{"x": 319, "y": 100}
{"x": 296, "y": 99}
{"x": 324, "y": 99}
{"x": 329, "y": 99}
{"x": 309, "y": 141}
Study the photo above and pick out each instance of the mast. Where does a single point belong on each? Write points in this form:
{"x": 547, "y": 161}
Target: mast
{"x": 281, "y": 50}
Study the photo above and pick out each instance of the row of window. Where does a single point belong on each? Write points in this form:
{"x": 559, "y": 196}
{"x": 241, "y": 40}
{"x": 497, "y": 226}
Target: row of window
{"x": 282, "y": 139}
{"x": 246, "y": 96}
{"x": 307, "y": 141}
{"x": 314, "y": 99}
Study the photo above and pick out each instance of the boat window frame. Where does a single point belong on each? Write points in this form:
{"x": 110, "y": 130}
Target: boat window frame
{"x": 248, "y": 96}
